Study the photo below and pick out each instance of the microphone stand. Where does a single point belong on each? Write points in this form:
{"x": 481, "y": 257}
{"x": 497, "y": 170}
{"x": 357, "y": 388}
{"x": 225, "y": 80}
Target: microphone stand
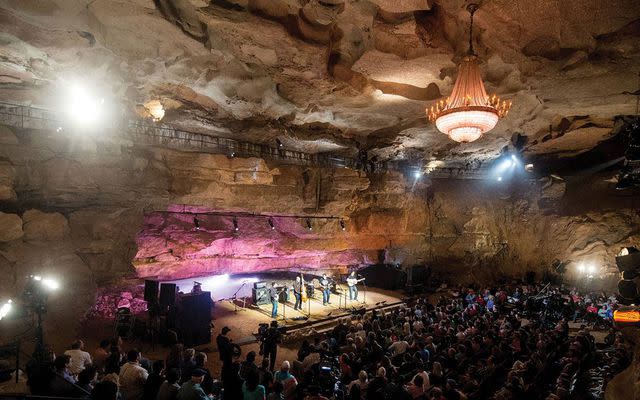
{"x": 364, "y": 295}
{"x": 234, "y": 297}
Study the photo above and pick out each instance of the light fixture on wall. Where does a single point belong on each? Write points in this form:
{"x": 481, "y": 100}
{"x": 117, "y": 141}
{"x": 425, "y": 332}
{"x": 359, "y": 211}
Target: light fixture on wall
{"x": 309, "y": 224}
{"x": 468, "y": 112}
{"x": 343, "y": 226}
{"x": 271, "y": 225}
{"x": 235, "y": 224}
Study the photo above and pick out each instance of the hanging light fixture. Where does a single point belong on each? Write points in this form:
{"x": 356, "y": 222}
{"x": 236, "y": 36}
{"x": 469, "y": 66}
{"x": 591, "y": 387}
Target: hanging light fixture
{"x": 468, "y": 112}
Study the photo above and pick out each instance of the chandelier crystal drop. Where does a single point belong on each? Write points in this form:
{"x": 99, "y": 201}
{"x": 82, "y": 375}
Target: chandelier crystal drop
{"x": 468, "y": 113}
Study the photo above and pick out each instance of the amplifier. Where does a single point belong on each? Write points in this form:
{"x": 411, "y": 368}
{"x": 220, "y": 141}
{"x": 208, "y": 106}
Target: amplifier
{"x": 259, "y": 285}
{"x": 261, "y": 296}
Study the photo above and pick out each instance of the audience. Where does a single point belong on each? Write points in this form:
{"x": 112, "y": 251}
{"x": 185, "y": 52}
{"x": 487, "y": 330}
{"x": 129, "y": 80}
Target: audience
{"x": 502, "y": 343}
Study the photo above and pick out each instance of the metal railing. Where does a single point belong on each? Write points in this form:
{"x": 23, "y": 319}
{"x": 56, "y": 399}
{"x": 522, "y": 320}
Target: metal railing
{"x": 140, "y": 131}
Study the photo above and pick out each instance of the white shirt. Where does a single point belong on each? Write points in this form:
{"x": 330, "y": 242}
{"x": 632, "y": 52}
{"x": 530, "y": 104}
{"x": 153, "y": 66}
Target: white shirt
{"x": 79, "y": 360}
{"x": 132, "y": 379}
{"x": 399, "y": 347}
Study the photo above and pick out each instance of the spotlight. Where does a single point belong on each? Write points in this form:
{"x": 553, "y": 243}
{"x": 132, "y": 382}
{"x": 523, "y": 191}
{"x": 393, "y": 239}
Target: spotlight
{"x": 270, "y": 221}
{"x": 5, "y": 309}
{"x": 343, "y": 226}
{"x": 279, "y": 143}
{"x": 528, "y": 167}
{"x": 309, "y": 224}
{"x": 581, "y": 268}
{"x": 50, "y": 284}
{"x": 235, "y": 224}
{"x": 499, "y": 179}
{"x": 196, "y": 223}
{"x": 514, "y": 158}
{"x": 59, "y": 129}
{"x": 83, "y": 107}
{"x": 417, "y": 174}
{"x": 591, "y": 269}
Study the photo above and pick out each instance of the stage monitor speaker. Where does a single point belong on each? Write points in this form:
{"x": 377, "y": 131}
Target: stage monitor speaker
{"x": 310, "y": 289}
{"x": 195, "y": 318}
{"x": 283, "y": 294}
{"x": 261, "y": 296}
{"x": 151, "y": 291}
{"x": 260, "y": 285}
{"x": 167, "y": 294}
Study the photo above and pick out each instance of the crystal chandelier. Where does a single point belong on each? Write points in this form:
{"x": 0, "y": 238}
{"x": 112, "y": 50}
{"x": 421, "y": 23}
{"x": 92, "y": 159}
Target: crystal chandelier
{"x": 468, "y": 112}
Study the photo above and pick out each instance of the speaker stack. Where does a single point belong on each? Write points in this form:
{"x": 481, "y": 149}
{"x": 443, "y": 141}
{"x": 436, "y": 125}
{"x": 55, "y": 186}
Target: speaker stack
{"x": 167, "y": 294}
{"x": 260, "y": 296}
{"x": 195, "y": 318}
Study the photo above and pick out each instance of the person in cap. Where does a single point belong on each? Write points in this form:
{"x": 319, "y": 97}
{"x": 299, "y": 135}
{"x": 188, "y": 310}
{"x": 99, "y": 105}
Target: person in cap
{"x": 191, "y": 389}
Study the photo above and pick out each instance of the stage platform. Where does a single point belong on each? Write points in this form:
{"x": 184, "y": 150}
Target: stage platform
{"x": 232, "y": 295}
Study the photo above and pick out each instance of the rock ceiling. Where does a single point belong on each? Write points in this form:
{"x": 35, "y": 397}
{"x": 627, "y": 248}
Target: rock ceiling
{"x": 334, "y": 75}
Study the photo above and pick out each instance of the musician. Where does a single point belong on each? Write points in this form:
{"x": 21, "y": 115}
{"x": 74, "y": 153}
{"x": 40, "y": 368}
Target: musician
{"x": 352, "y": 281}
{"x": 297, "y": 293}
{"x": 273, "y": 295}
{"x": 325, "y": 284}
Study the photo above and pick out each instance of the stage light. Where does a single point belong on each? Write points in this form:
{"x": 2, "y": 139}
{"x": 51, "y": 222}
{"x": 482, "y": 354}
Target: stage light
{"x": 499, "y": 179}
{"x": 270, "y": 221}
{"x": 591, "y": 269}
{"x": 581, "y": 268}
{"x": 343, "y": 226}
{"x": 83, "y": 107}
{"x": 309, "y": 224}
{"x": 235, "y": 224}
{"x": 279, "y": 143}
{"x": 6, "y": 309}
{"x": 196, "y": 223}
{"x": 417, "y": 174}
{"x": 50, "y": 284}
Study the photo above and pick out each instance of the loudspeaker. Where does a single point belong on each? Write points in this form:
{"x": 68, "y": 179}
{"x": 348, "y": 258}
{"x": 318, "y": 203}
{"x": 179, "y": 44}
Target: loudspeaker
{"x": 195, "y": 318}
{"x": 167, "y": 294}
{"x": 628, "y": 290}
{"x": 283, "y": 295}
{"x": 151, "y": 291}
{"x": 310, "y": 290}
{"x": 259, "y": 285}
{"x": 261, "y": 296}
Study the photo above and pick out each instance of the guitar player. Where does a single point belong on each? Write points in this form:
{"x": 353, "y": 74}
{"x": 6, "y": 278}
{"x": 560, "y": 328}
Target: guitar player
{"x": 352, "y": 282}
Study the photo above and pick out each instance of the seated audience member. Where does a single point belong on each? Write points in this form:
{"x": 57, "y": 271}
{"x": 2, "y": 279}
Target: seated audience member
{"x": 105, "y": 390}
{"x": 276, "y": 392}
{"x": 132, "y": 377}
{"x": 314, "y": 394}
{"x": 79, "y": 358}
{"x": 169, "y": 388}
{"x": 63, "y": 382}
{"x": 87, "y": 378}
{"x": 200, "y": 361}
{"x": 248, "y": 365}
{"x": 100, "y": 355}
{"x": 155, "y": 379}
{"x": 251, "y": 388}
{"x": 416, "y": 388}
{"x": 288, "y": 381}
{"x": 191, "y": 389}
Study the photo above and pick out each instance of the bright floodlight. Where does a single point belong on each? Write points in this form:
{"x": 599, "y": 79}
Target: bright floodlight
{"x": 591, "y": 269}
{"x": 514, "y": 158}
{"x": 581, "y": 268}
{"x": 5, "y": 309}
{"x": 417, "y": 174}
{"x": 50, "y": 284}
{"x": 505, "y": 165}
{"x": 499, "y": 179}
{"x": 83, "y": 107}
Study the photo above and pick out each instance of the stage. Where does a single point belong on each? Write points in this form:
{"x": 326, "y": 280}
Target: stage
{"x": 234, "y": 307}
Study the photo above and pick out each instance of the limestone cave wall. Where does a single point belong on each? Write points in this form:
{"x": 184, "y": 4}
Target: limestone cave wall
{"x": 92, "y": 209}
